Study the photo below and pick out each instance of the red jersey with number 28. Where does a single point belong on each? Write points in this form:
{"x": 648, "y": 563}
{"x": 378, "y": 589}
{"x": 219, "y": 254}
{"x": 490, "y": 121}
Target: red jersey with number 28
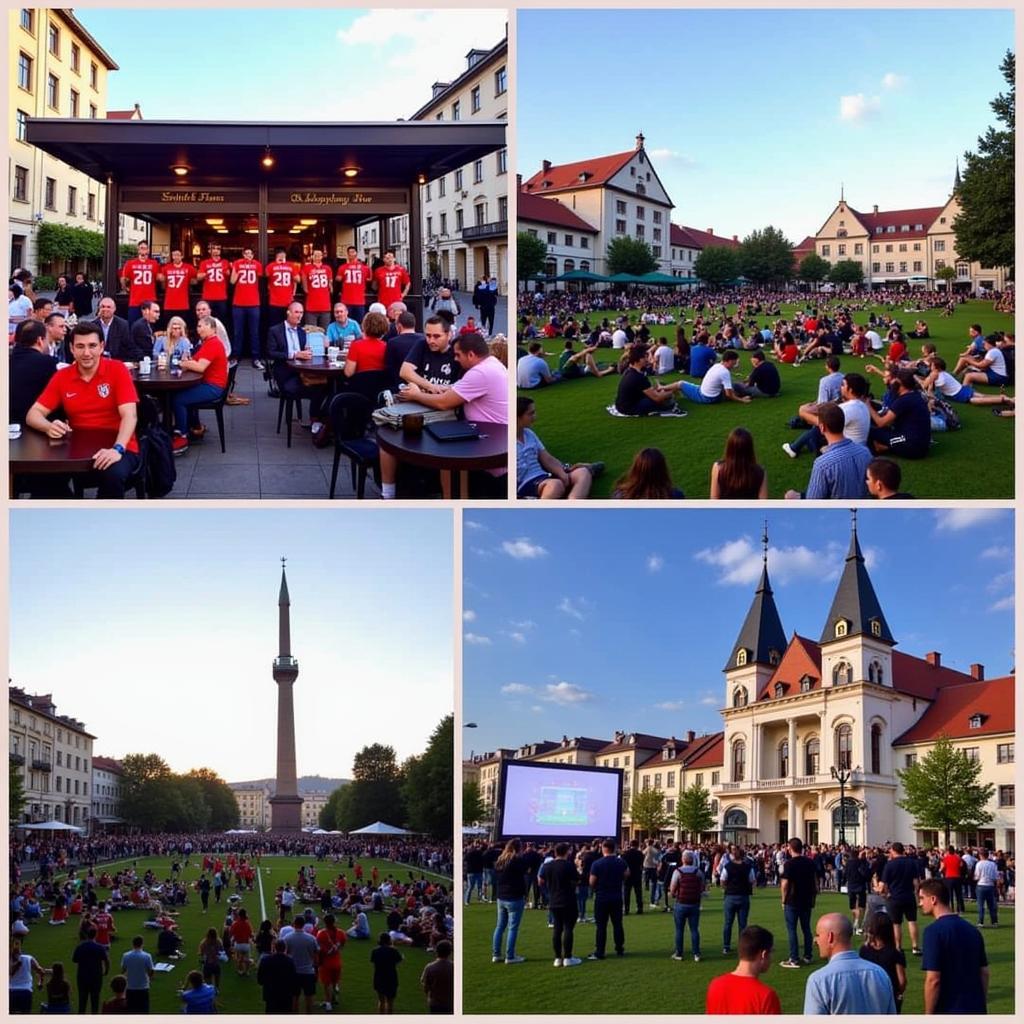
{"x": 390, "y": 282}
{"x": 215, "y": 284}
{"x": 176, "y": 282}
{"x": 141, "y": 275}
{"x": 354, "y": 279}
{"x": 280, "y": 282}
{"x": 318, "y": 287}
{"x": 247, "y": 287}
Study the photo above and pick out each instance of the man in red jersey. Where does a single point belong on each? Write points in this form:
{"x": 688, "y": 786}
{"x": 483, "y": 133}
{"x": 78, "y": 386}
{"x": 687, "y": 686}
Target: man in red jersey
{"x": 316, "y": 280}
{"x": 281, "y": 280}
{"x": 391, "y": 281}
{"x": 176, "y": 277}
{"x": 742, "y": 991}
{"x": 245, "y": 307}
{"x": 354, "y": 275}
{"x": 139, "y": 277}
{"x": 95, "y": 394}
{"x": 211, "y": 360}
{"x": 214, "y": 273}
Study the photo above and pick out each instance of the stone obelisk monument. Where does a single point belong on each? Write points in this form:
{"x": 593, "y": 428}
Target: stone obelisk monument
{"x": 285, "y": 804}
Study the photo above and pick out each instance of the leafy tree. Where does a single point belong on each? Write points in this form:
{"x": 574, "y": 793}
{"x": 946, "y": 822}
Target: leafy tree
{"x": 219, "y": 798}
{"x": 15, "y": 793}
{"x": 693, "y": 811}
{"x": 813, "y": 268}
{"x": 716, "y": 265}
{"x": 191, "y": 811}
{"x": 472, "y": 804}
{"x": 531, "y": 255}
{"x": 943, "y": 791}
{"x": 648, "y": 812}
{"x": 61, "y": 243}
{"x": 375, "y": 792}
{"x": 846, "y": 272}
{"x": 946, "y": 273}
{"x": 985, "y": 227}
{"x": 766, "y": 256}
{"x": 427, "y": 787}
{"x": 375, "y": 763}
{"x": 629, "y": 256}
{"x": 329, "y": 812}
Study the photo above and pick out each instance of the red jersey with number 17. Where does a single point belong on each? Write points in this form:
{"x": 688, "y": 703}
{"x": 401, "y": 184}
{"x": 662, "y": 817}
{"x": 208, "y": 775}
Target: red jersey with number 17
{"x": 176, "y": 281}
{"x": 317, "y": 279}
{"x": 141, "y": 275}
{"x": 354, "y": 279}
{"x": 215, "y": 284}
{"x": 281, "y": 277}
{"x": 247, "y": 286}
{"x": 390, "y": 282}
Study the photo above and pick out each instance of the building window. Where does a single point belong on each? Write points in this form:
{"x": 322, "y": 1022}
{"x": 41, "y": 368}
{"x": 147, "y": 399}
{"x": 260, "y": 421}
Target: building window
{"x": 812, "y": 756}
{"x": 91, "y": 214}
{"x": 858, "y": 248}
{"x": 28, "y": 20}
{"x": 474, "y": 99}
{"x": 620, "y": 206}
{"x": 715, "y": 776}
{"x": 739, "y": 697}
{"x": 426, "y": 192}
{"x": 903, "y": 247}
{"x": 876, "y": 268}
{"x": 20, "y": 119}
{"x": 876, "y": 749}
{"x": 25, "y": 72}
{"x": 826, "y": 250}
{"x": 657, "y": 780}
{"x": 640, "y": 213}
{"x": 739, "y": 761}
{"x": 53, "y": 39}
{"x": 938, "y": 245}
{"x": 444, "y": 223}
{"x": 53, "y": 92}
{"x": 875, "y": 673}
{"x": 646, "y": 783}
{"x": 458, "y": 222}
{"x": 842, "y": 674}
{"x": 784, "y": 759}
{"x": 584, "y": 242}
{"x": 917, "y": 266}
{"x": 780, "y": 690}
{"x": 841, "y": 249}
{"x": 441, "y": 186}
{"x": 458, "y": 180}
{"x": 76, "y": 57}
{"x": 503, "y": 210}
{"x": 975, "y": 721}
{"x": 620, "y": 227}
{"x": 670, "y": 780}
{"x": 890, "y": 268}
{"x": 888, "y": 248}
{"x": 1004, "y": 753}
{"x": 72, "y": 200}
{"x": 939, "y": 264}
{"x": 74, "y": 103}
{"x": 656, "y": 235}
{"x": 480, "y": 211}
{"x": 50, "y": 202}
{"x": 552, "y": 238}
{"x": 741, "y": 657}
{"x": 1006, "y": 796}
{"x": 502, "y": 160}
{"x": 457, "y": 111}
{"x": 92, "y": 111}
{"x": 844, "y": 747}
{"x": 805, "y": 684}
{"x": 656, "y": 216}
{"x": 584, "y": 264}
{"x": 430, "y": 226}
{"x": 21, "y": 184}
{"x": 670, "y": 806}
{"x": 500, "y": 81}
{"x": 568, "y": 239}
{"x": 972, "y": 753}
{"x": 903, "y": 266}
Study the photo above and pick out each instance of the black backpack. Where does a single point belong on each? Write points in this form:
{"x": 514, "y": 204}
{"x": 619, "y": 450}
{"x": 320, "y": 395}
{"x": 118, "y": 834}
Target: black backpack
{"x": 157, "y": 454}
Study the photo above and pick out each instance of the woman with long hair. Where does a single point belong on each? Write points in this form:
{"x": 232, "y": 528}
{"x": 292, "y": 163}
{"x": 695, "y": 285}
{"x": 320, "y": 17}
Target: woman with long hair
{"x": 880, "y": 948}
{"x": 511, "y": 871}
{"x": 737, "y": 474}
{"x": 211, "y": 951}
{"x": 63, "y": 299}
{"x": 176, "y": 341}
{"x": 58, "y": 990}
{"x": 648, "y": 477}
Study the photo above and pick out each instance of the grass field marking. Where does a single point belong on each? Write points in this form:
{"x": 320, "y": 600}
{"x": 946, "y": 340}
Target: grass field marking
{"x": 259, "y": 882}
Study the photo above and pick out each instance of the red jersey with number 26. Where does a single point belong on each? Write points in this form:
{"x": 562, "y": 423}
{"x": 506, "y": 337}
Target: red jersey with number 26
{"x": 176, "y": 282}
{"x": 390, "y": 282}
{"x": 280, "y": 282}
{"x": 354, "y": 279}
{"x": 247, "y": 287}
{"x": 317, "y": 279}
{"x": 141, "y": 275}
{"x": 215, "y": 284}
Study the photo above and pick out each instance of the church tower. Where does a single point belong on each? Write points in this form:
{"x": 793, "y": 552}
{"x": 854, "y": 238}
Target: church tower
{"x": 285, "y": 804}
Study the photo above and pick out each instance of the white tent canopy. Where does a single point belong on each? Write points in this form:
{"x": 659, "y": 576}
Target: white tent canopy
{"x": 50, "y": 826}
{"x": 380, "y": 828}
{"x": 474, "y": 830}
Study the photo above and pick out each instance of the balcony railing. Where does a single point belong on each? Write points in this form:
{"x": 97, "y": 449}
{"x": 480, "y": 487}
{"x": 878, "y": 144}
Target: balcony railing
{"x": 18, "y": 759}
{"x": 496, "y": 229}
{"x": 40, "y": 764}
{"x": 800, "y": 781}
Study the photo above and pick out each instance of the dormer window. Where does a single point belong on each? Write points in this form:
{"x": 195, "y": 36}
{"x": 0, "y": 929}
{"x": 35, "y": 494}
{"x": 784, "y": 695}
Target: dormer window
{"x": 741, "y": 657}
{"x": 666, "y": 754}
{"x": 974, "y": 721}
{"x": 805, "y": 684}
{"x": 774, "y": 657}
{"x": 780, "y": 690}
{"x": 841, "y": 233}
{"x": 876, "y": 627}
{"x": 842, "y": 628}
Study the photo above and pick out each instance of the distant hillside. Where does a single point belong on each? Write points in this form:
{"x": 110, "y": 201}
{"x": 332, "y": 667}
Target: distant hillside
{"x": 307, "y": 783}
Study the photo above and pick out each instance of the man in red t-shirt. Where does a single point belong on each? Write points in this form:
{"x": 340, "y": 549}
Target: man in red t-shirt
{"x": 139, "y": 277}
{"x": 391, "y": 281}
{"x": 177, "y": 276}
{"x": 214, "y": 273}
{"x": 245, "y": 307}
{"x": 741, "y": 992}
{"x": 211, "y": 360}
{"x": 96, "y": 394}
{"x": 354, "y": 275}
{"x": 316, "y": 280}
{"x": 282, "y": 277}
{"x": 952, "y": 878}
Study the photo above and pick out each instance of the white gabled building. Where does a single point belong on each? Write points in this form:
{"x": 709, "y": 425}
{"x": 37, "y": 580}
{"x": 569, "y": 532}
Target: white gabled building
{"x": 570, "y": 240}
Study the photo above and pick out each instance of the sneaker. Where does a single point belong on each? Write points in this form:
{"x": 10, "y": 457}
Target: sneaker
{"x": 558, "y": 962}
{"x": 572, "y": 961}
{"x": 678, "y": 956}
{"x": 326, "y": 1007}
{"x": 497, "y": 959}
{"x": 696, "y": 958}
{"x": 258, "y": 364}
{"x": 726, "y": 952}
{"x": 916, "y": 951}
{"x": 515, "y": 959}
{"x": 807, "y": 960}
{"x": 788, "y": 449}
{"x": 674, "y": 411}
{"x": 180, "y": 444}
{"x": 551, "y": 924}
{"x": 594, "y": 956}
{"x": 790, "y": 963}
{"x": 197, "y": 432}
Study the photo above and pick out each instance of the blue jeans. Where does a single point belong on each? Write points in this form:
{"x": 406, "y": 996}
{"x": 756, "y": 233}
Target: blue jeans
{"x": 801, "y": 915}
{"x": 476, "y": 881}
{"x": 987, "y": 898}
{"x": 510, "y": 913}
{"x": 582, "y": 895}
{"x": 683, "y": 913}
{"x": 201, "y": 392}
{"x": 735, "y": 906}
{"x": 247, "y": 329}
{"x": 813, "y": 440}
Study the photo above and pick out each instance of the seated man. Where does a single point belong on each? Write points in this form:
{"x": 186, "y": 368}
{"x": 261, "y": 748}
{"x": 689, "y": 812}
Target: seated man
{"x": 532, "y": 371}
{"x": 905, "y": 428}
{"x": 716, "y": 383}
{"x": 883, "y": 480}
{"x": 400, "y": 345}
{"x": 31, "y": 367}
{"x": 853, "y": 392}
{"x": 431, "y": 364}
{"x": 636, "y": 395}
{"x": 113, "y": 329}
{"x": 95, "y": 394}
{"x": 342, "y": 330}
{"x": 991, "y": 367}
{"x": 763, "y": 381}
{"x": 287, "y": 341}
{"x": 941, "y": 381}
{"x": 663, "y": 359}
{"x": 840, "y": 470}
{"x": 702, "y": 355}
{"x": 975, "y": 349}
{"x": 572, "y": 365}
{"x": 140, "y": 335}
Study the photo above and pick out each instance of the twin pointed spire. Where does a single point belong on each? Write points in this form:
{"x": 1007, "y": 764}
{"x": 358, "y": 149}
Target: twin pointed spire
{"x": 762, "y": 632}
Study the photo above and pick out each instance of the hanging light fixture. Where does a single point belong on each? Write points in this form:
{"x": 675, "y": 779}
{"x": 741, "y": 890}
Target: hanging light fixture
{"x": 350, "y": 171}
{"x": 268, "y": 158}
{"x": 180, "y": 169}
{"x": 421, "y": 178}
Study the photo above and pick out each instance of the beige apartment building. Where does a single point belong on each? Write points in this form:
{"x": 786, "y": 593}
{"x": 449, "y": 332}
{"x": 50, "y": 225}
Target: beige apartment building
{"x": 107, "y": 776}
{"x": 253, "y": 801}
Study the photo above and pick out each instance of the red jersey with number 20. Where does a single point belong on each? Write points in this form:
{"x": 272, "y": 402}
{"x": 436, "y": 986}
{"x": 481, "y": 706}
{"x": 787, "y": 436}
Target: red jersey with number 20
{"x": 141, "y": 275}
{"x": 354, "y": 279}
{"x": 215, "y": 284}
{"x": 280, "y": 282}
{"x": 247, "y": 287}
{"x": 390, "y": 282}
{"x": 176, "y": 282}
{"x": 317, "y": 278}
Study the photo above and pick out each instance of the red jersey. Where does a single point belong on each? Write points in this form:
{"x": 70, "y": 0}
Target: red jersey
{"x": 734, "y": 994}
{"x": 103, "y": 923}
{"x": 217, "y": 372}
{"x": 92, "y": 405}
{"x": 317, "y": 280}
{"x": 241, "y": 931}
{"x": 368, "y": 354}
{"x": 176, "y": 283}
{"x": 354, "y": 279}
{"x": 951, "y": 865}
{"x": 330, "y": 944}
{"x": 141, "y": 275}
{"x": 281, "y": 278}
{"x": 247, "y": 287}
{"x": 215, "y": 284}
{"x": 390, "y": 282}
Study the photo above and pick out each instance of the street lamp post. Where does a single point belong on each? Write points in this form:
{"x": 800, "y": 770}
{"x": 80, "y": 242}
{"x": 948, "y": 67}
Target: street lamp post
{"x": 842, "y": 776}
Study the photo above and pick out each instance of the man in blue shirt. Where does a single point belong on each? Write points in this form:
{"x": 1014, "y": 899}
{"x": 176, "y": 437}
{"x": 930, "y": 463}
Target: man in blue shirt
{"x": 839, "y": 471}
{"x": 532, "y": 370}
{"x": 606, "y": 877}
{"x": 954, "y": 963}
{"x": 847, "y": 984}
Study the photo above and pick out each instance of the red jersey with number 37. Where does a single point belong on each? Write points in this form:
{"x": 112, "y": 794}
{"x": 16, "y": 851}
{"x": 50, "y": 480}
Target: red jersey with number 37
{"x": 390, "y": 282}
{"x": 247, "y": 286}
{"x": 176, "y": 282}
{"x": 317, "y": 279}
{"x": 354, "y": 279}
{"x": 281, "y": 279}
{"x": 215, "y": 284}
{"x": 141, "y": 275}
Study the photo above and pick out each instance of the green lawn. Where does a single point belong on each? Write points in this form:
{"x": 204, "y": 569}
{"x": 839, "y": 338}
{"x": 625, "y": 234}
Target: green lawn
{"x": 974, "y": 462}
{"x": 241, "y": 995}
{"x": 646, "y": 980}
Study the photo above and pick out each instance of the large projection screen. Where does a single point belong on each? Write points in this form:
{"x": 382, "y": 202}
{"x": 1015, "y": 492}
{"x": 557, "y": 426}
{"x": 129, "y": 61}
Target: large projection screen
{"x": 558, "y": 801}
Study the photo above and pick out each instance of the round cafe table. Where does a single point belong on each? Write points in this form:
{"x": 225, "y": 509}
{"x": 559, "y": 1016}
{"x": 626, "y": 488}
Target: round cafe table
{"x": 162, "y": 384}
{"x": 488, "y": 450}
{"x": 34, "y": 452}
{"x": 322, "y": 367}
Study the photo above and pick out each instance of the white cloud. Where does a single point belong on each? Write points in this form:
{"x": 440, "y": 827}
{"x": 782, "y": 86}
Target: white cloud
{"x": 513, "y": 688}
{"x": 567, "y": 693}
{"x": 655, "y": 563}
{"x": 468, "y": 615}
{"x": 537, "y": 709}
{"x": 858, "y": 107}
{"x": 567, "y": 606}
{"x": 673, "y": 156}
{"x": 996, "y": 551}
{"x": 671, "y": 705}
{"x": 523, "y": 548}
{"x": 475, "y": 638}
{"x": 740, "y": 562}
{"x": 1004, "y": 604}
{"x": 523, "y": 624}
{"x": 519, "y": 638}
{"x": 472, "y": 524}
{"x": 710, "y": 702}
{"x": 1002, "y": 581}
{"x": 966, "y": 518}
{"x": 892, "y": 80}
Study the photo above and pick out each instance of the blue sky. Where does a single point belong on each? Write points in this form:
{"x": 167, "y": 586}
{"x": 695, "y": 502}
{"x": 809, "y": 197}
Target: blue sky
{"x": 272, "y": 64}
{"x": 159, "y": 629}
{"x": 584, "y": 621}
{"x": 755, "y": 116}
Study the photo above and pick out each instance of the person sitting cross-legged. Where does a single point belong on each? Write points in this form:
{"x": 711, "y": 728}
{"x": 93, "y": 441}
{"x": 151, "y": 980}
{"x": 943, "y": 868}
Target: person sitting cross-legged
{"x": 715, "y": 385}
{"x": 853, "y": 391}
{"x": 905, "y": 428}
{"x": 636, "y": 396}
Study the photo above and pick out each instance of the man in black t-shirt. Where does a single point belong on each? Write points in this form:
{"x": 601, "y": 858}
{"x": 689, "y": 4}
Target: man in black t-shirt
{"x": 635, "y": 862}
{"x": 636, "y": 395}
{"x": 606, "y": 877}
{"x": 799, "y": 889}
{"x": 533, "y": 859}
{"x": 560, "y": 878}
{"x": 587, "y": 857}
{"x": 431, "y": 363}
{"x": 671, "y": 859}
{"x": 93, "y": 963}
{"x": 905, "y": 428}
{"x": 901, "y": 877}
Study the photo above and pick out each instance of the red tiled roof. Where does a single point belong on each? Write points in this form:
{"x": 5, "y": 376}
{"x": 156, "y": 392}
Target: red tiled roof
{"x": 954, "y": 706}
{"x": 925, "y": 216}
{"x": 108, "y": 764}
{"x": 120, "y": 115}
{"x": 707, "y": 752}
{"x": 806, "y": 246}
{"x": 642, "y": 740}
{"x": 802, "y": 657}
{"x": 550, "y": 211}
{"x": 561, "y": 177}
{"x": 693, "y": 238}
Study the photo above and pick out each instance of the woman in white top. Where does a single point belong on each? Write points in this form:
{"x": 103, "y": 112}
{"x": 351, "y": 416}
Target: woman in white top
{"x": 19, "y": 306}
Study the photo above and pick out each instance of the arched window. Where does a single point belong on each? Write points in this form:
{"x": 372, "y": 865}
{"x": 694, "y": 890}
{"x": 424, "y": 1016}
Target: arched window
{"x": 841, "y": 628}
{"x": 569, "y": 265}
{"x": 876, "y": 627}
{"x": 844, "y": 746}
{"x": 551, "y": 268}
{"x": 876, "y": 749}
{"x": 875, "y": 674}
{"x": 739, "y": 761}
{"x": 784, "y": 759}
{"x": 741, "y": 657}
{"x": 739, "y": 697}
{"x": 812, "y": 756}
{"x": 848, "y": 813}
{"x": 842, "y": 674}
{"x": 584, "y": 264}
{"x": 773, "y": 656}
{"x": 736, "y": 818}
